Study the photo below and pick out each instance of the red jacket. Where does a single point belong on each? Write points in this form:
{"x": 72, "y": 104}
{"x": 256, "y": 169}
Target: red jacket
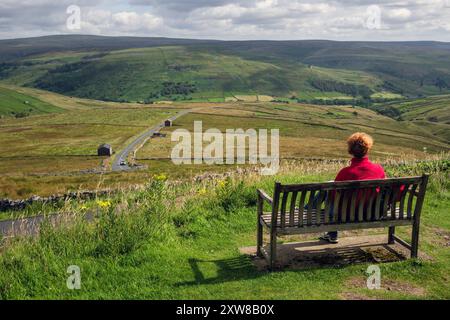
{"x": 361, "y": 169}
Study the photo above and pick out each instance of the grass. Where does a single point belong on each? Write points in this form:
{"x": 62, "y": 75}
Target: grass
{"x": 432, "y": 114}
{"x": 157, "y": 244}
{"x": 54, "y": 153}
{"x": 114, "y": 67}
{"x": 386, "y": 95}
{"x": 163, "y": 73}
{"x": 48, "y": 153}
{"x": 306, "y": 131}
{"x": 13, "y": 103}
{"x": 77, "y": 133}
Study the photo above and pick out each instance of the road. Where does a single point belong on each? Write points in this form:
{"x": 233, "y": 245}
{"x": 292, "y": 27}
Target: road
{"x": 30, "y": 226}
{"x": 123, "y": 155}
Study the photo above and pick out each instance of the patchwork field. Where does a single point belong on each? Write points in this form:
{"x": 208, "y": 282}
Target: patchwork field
{"x": 56, "y": 152}
{"x": 52, "y": 149}
{"x": 307, "y": 131}
{"x": 431, "y": 114}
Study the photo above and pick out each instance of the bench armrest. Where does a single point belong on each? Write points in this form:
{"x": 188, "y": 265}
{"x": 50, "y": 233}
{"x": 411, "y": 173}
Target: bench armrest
{"x": 264, "y": 196}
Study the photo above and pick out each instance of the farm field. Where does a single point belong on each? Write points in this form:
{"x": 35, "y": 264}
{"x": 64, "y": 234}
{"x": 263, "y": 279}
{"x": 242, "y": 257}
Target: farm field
{"x": 52, "y": 153}
{"x": 58, "y": 149}
{"x": 307, "y": 131}
{"x": 430, "y": 113}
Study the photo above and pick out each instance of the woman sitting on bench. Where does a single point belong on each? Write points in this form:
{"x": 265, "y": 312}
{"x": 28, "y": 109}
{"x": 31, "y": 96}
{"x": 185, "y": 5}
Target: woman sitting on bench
{"x": 361, "y": 168}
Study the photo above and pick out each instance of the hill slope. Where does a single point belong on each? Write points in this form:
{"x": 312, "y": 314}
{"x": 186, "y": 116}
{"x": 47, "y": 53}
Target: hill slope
{"x": 172, "y": 73}
{"x": 282, "y": 68}
{"x": 20, "y": 105}
{"x": 431, "y": 114}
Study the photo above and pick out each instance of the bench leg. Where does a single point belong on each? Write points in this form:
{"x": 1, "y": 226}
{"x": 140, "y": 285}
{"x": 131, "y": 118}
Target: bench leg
{"x": 391, "y": 239}
{"x": 273, "y": 250}
{"x": 259, "y": 236}
{"x": 259, "y": 241}
{"x": 415, "y": 241}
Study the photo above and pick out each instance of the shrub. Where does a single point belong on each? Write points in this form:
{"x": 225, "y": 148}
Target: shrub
{"x": 232, "y": 195}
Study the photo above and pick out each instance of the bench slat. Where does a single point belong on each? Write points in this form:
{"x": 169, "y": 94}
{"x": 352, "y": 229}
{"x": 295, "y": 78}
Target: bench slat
{"x": 410, "y": 200}
{"x": 310, "y": 207}
{"x": 267, "y": 219}
{"x": 394, "y": 199}
{"x": 372, "y": 196}
{"x": 349, "y": 184}
{"x": 344, "y": 209}
{"x": 387, "y": 196}
{"x": 344, "y": 226}
{"x": 337, "y": 198}
{"x": 283, "y": 209}
{"x": 402, "y": 201}
{"x": 292, "y": 209}
{"x": 319, "y": 206}
{"x": 353, "y": 205}
{"x": 327, "y": 209}
{"x": 362, "y": 202}
{"x": 378, "y": 205}
{"x": 301, "y": 205}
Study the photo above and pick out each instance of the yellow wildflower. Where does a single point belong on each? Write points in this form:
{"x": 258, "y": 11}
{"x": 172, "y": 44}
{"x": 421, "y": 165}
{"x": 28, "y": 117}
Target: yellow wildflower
{"x": 104, "y": 204}
{"x": 221, "y": 183}
{"x": 160, "y": 177}
{"x": 202, "y": 192}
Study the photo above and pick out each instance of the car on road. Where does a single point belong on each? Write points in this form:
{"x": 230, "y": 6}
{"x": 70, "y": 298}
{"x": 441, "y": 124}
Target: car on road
{"x": 123, "y": 163}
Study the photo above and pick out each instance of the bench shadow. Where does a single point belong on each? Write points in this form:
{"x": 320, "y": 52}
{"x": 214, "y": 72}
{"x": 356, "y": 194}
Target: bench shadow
{"x": 233, "y": 269}
{"x": 316, "y": 255}
{"x": 293, "y": 257}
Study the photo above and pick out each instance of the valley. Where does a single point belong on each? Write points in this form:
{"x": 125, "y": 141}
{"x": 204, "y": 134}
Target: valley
{"x": 55, "y": 152}
{"x": 157, "y": 230}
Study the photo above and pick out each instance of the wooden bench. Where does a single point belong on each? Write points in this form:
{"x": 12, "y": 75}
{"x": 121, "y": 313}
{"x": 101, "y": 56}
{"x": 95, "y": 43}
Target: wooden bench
{"x": 338, "y": 206}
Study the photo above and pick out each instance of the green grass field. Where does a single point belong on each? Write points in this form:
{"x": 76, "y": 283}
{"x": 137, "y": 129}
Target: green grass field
{"x": 432, "y": 114}
{"x": 179, "y": 73}
{"x": 114, "y": 67}
{"x": 158, "y": 244}
{"x": 13, "y": 103}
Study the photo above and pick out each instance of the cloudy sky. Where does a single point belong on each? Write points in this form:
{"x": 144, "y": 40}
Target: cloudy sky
{"x": 230, "y": 19}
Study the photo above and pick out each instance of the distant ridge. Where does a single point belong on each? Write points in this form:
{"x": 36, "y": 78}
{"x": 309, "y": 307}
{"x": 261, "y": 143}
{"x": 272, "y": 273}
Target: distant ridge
{"x": 158, "y": 68}
{"x": 22, "y": 47}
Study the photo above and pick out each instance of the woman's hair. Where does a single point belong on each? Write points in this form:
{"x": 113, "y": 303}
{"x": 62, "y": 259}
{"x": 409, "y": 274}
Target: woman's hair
{"x": 359, "y": 144}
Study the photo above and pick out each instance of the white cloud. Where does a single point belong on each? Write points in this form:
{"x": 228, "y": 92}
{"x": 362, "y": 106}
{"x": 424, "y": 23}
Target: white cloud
{"x": 399, "y": 14}
{"x": 232, "y": 19}
{"x": 265, "y": 4}
{"x": 129, "y": 21}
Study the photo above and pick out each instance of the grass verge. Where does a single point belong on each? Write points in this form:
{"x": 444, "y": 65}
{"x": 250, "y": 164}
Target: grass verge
{"x": 146, "y": 245}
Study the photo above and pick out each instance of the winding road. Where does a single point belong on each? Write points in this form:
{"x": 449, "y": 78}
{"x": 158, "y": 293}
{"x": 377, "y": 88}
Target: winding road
{"x": 123, "y": 155}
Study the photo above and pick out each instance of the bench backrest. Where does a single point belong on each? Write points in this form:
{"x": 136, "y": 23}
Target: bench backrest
{"x": 348, "y": 202}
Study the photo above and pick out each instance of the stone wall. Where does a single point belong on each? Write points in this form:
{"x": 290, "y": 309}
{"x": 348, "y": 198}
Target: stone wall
{"x": 9, "y": 204}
